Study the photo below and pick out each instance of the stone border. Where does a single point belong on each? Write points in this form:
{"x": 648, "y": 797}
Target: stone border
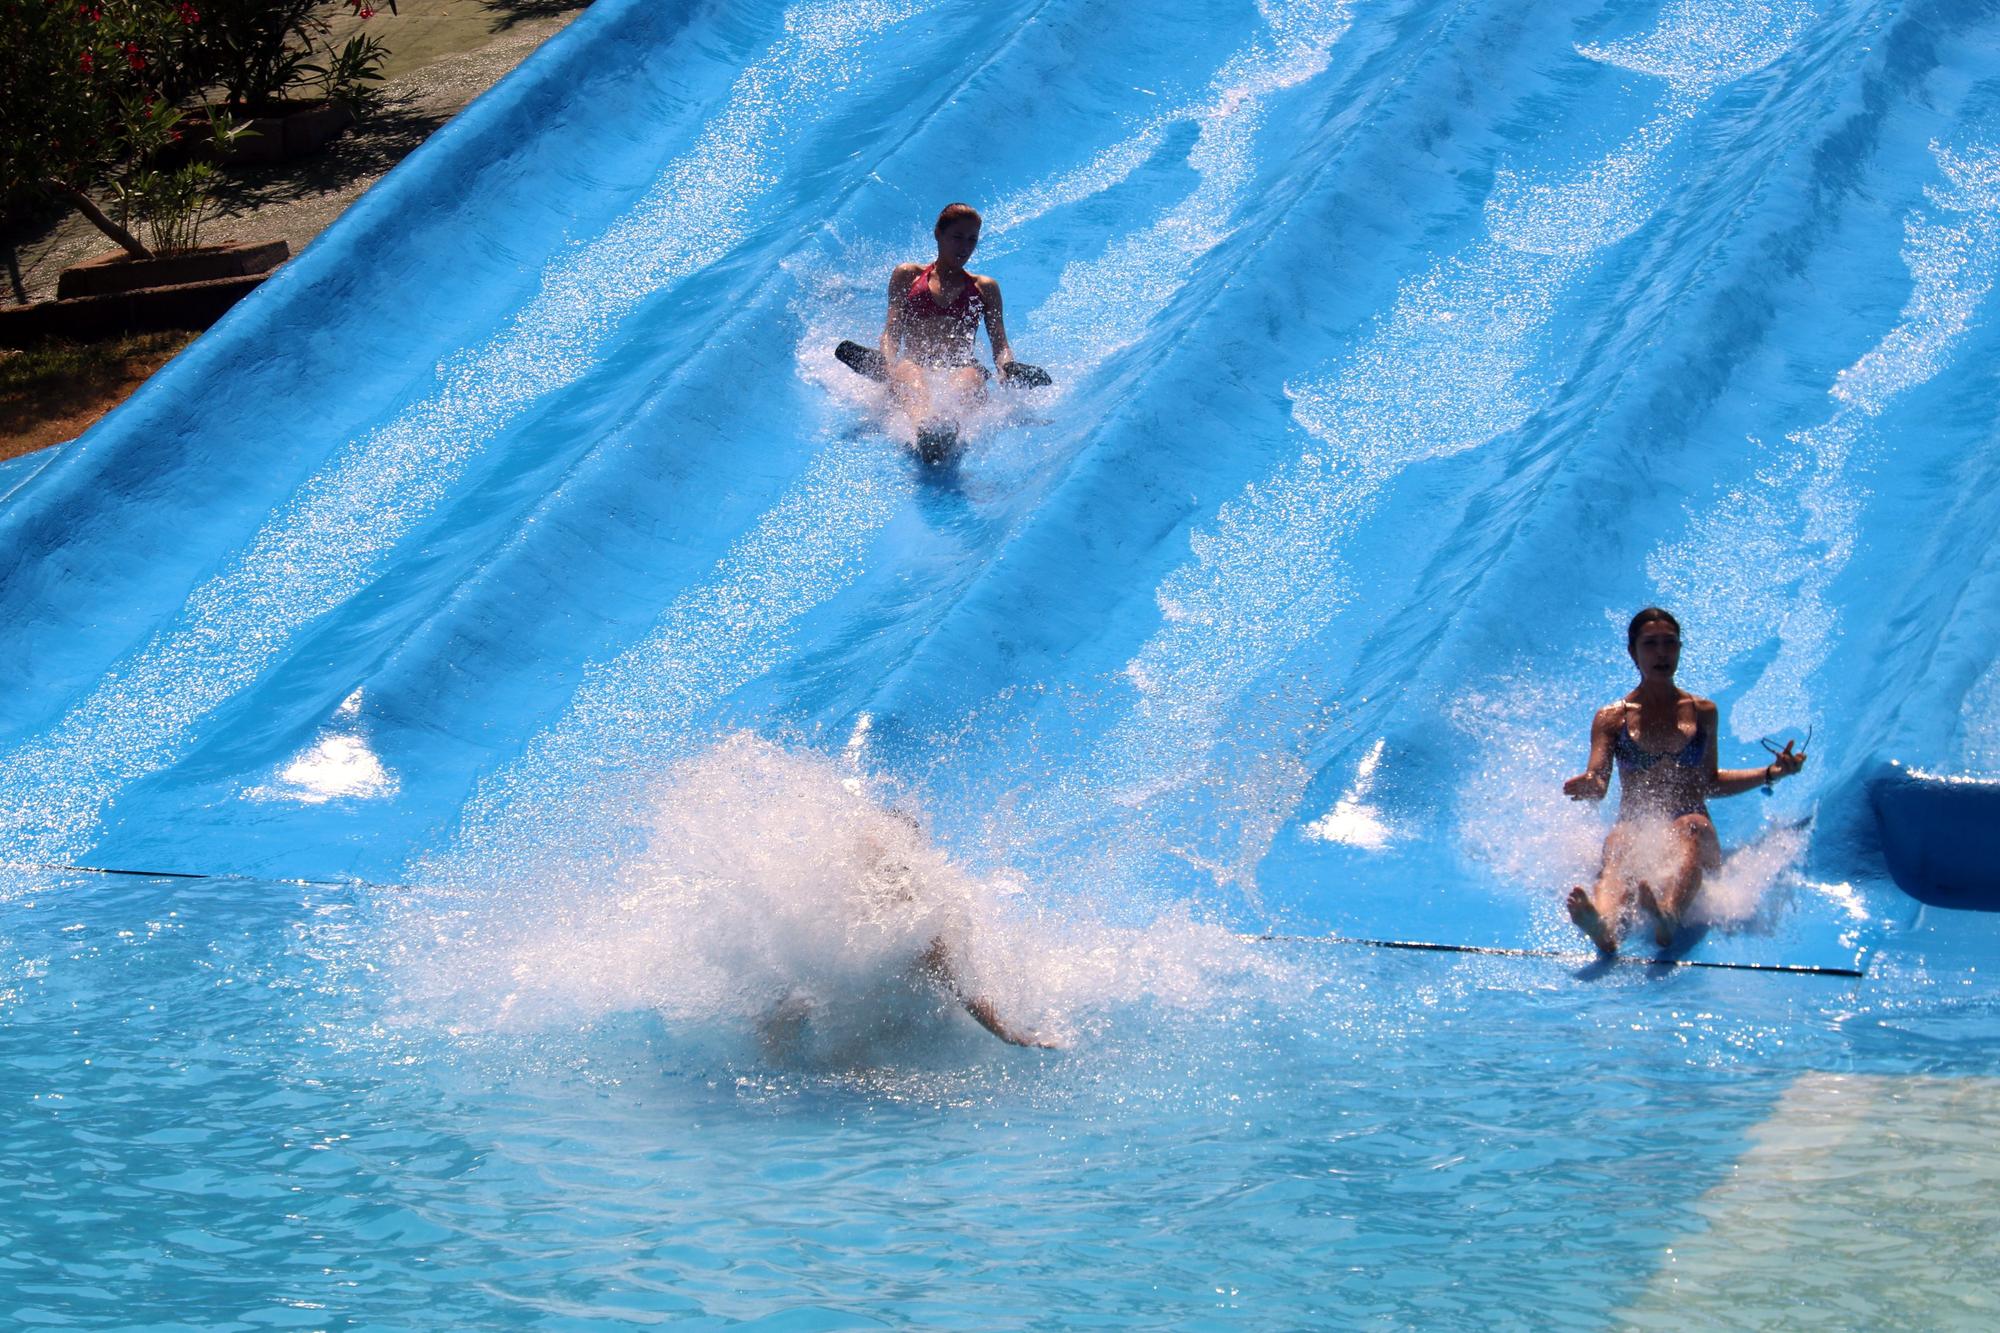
{"x": 187, "y": 305}
{"x": 120, "y": 272}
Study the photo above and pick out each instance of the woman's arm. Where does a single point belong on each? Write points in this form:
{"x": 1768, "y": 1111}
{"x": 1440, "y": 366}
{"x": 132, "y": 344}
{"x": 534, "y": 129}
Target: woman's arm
{"x": 996, "y": 325}
{"x": 1595, "y": 780}
{"x": 900, "y": 279}
{"x": 936, "y": 964}
{"x": 1736, "y": 781}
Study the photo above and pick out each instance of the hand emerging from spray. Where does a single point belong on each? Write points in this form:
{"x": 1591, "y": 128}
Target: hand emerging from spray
{"x": 1587, "y": 786}
{"x": 1785, "y": 762}
{"x": 936, "y": 964}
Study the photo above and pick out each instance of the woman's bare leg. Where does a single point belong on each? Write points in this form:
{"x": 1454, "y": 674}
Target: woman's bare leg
{"x": 1596, "y": 910}
{"x": 1691, "y": 835}
{"x": 907, "y": 387}
{"x": 969, "y": 382}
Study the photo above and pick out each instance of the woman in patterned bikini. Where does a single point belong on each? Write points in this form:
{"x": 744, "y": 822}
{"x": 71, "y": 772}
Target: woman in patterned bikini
{"x": 1662, "y": 741}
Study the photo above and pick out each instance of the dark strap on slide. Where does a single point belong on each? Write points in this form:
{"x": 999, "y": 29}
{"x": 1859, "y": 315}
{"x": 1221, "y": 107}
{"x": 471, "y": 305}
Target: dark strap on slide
{"x": 1801, "y": 969}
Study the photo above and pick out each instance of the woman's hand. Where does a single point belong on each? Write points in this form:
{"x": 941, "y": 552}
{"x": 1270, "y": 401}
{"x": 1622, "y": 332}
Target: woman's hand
{"x": 1587, "y": 787}
{"x": 1786, "y": 762}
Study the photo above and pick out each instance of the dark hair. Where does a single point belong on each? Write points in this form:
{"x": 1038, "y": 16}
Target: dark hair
{"x": 1646, "y": 615}
{"x": 952, "y": 213}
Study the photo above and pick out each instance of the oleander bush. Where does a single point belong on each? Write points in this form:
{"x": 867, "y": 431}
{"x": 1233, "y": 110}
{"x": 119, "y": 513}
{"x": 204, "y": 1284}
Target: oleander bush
{"x": 99, "y": 92}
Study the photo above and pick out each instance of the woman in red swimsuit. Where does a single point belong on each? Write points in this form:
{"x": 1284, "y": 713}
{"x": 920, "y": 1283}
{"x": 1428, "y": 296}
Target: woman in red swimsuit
{"x": 935, "y": 310}
{"x": 1662, "y": 740}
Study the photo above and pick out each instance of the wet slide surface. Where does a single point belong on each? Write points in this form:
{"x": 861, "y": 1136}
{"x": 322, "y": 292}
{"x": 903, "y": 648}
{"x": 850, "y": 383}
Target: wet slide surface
{"x": 1402, "y": 350}
{"x": 613, "y": 759}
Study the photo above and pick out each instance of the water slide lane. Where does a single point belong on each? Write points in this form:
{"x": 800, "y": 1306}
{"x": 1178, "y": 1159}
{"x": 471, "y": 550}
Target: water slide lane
{"x": 498, "y": 411}
{"x": 1402, "y": 348}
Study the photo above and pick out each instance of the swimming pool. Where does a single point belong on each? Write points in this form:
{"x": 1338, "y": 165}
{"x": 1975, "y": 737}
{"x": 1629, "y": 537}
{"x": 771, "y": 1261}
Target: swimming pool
{"x": 220, "y": 1115}
{"x": 509, "y": 623}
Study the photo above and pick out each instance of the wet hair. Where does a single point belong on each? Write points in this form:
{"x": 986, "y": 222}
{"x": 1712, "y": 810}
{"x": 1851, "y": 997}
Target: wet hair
{"x": 1646, "y": 615}
{"x": 952, "y": 213}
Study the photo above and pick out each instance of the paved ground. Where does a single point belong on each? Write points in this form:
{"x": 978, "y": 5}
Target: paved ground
{"x": 444, "y": 53}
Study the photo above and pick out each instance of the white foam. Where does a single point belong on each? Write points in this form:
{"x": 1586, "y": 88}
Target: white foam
{"x": 1755, "y": 884}
{"x": 339, "y": 764}
{"x": 1511, "y": 814}
{"x": 1355, "y": 820}
{"x": 1513, "y": 817}
{"x": 1699, "y": 45}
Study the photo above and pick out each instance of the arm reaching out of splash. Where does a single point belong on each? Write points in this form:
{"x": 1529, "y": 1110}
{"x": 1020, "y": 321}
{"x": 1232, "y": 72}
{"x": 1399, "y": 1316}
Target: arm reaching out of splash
{"x": 996, "y": 327}
{"x": 1595, "y": 780}
{"x": 936, "y": 964}
{"x": 1736, "y": 781}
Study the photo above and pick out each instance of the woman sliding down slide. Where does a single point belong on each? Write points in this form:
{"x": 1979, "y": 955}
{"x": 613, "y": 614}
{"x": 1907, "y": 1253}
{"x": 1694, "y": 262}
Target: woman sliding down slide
{"x": 1662, "y": 740}
{"x": 926, "y": 353}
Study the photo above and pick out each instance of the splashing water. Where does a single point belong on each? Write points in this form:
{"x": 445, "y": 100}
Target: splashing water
{"x": 780, "y": 895}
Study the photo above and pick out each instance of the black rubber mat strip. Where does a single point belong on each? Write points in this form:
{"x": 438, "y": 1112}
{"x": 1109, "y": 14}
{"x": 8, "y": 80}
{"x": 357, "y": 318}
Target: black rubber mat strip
{"x": 139, "y": 874}
{"x": 188, "y": 874}
{"x": 1801, "y": 969}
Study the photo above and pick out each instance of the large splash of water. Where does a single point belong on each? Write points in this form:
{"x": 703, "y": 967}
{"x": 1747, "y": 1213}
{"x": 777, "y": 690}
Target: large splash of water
{"x": 775, "y": 895}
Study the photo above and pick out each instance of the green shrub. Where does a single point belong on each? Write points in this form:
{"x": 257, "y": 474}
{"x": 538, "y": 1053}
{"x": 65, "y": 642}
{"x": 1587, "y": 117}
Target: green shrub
{"x": 96, "y": 86}
{"x": 352, "y": 72}
{"x": 78, "y": 69}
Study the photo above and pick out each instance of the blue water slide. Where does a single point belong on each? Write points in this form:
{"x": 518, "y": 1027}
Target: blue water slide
{"x": 1401, "y": 351}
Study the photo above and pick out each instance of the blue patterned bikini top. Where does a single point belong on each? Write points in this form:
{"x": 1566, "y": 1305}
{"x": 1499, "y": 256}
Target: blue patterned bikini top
{"x": 1633, "y": 757}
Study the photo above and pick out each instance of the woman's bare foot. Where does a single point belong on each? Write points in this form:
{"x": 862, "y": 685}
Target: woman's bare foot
{"x": 1665, "y": 924}
{"x": 1584, "y": 913}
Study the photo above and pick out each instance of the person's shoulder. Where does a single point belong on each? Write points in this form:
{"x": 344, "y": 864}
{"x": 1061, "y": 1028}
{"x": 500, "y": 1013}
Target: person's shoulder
{"x": 1704, "y": 709}
{"x": 1609, "y": 715}
{"x": 988, "y": 286}
{"x": 903, "y": 272}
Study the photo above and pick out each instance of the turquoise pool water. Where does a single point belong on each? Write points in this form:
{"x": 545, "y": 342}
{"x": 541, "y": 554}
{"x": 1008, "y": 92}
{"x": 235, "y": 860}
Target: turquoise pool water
{"x": 225, "y": 1111}
{"x": 551, "y": 713}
